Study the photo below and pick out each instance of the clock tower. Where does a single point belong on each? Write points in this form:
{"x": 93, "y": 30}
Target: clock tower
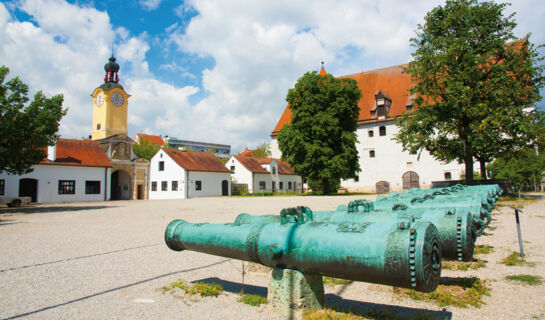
{"x": 110, "y": 104}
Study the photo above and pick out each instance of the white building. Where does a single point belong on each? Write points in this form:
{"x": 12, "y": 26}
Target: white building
{"x": 74, "y": 170}
{"x": 264, "y": 174}
{"x": 177, "y": 174}
{"x": 384, "y": 165}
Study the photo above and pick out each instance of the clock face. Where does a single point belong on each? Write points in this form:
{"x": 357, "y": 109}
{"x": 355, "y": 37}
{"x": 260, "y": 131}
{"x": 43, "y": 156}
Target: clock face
{"x": 117, "y": 99}
{"x": 99, "y": 99}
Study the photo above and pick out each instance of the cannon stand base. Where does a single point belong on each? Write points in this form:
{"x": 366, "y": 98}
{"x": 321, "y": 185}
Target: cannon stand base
{"x": 292, "y": 292}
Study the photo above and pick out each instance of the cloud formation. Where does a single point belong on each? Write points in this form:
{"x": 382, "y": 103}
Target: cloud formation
{"x": 259, "y": 50}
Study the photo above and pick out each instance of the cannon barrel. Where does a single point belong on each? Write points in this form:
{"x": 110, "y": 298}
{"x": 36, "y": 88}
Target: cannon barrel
{"x": 456, "y": 231}
{"x": 398, "y": 254}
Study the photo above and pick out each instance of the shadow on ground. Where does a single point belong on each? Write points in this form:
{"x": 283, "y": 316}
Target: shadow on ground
{"x": 339, "y": 303}
{"x": 40, "y": 209}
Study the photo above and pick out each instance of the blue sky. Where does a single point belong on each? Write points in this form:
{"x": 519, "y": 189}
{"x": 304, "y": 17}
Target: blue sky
{"x": 208, "y": 70}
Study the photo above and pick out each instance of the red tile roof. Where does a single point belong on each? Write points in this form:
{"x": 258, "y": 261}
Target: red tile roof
{"x": 71, "y": 152}
{"x": 196, "y": 161}
{"x": 247, "y": 153}
{"x": 150, "y": 139}
{"x": 391, "y": 81}
{"x": 251, "y": 164}
{"x": 254, "y": 164}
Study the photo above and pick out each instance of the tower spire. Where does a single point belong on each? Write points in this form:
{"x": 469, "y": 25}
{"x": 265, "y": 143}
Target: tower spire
{"x": 322, "y": 71}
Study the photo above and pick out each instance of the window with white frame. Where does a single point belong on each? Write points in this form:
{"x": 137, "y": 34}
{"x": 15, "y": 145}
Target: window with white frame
{"x": 174, "y": 186}
{"x": 67, "y": 187}
{"x": 371, "y": 153}
{"x": 154, "y": 186}
{"x": 262, "y": 185}
{"x": 382, "y": 131}
{"x": 161, "y": 166}
{"x": 164, "y": 185}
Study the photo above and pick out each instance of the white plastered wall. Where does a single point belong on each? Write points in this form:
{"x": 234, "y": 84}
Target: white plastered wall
{"x": 48, "y": 177}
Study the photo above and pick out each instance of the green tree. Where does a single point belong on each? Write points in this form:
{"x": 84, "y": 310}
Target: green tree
{"x": 263, "y": 151}
{"x": 320, "y": 141}
{"x": 523, "y": 167}
{"x": 145, "y": 149}
{"x": 472, "y": 85}
{"x": 25, "y": 129}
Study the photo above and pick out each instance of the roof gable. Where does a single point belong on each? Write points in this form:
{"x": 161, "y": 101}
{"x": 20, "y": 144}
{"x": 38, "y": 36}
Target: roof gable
{"x": 73, "y": 152}
{"x": 196, "y": 161}
{"x": 391, "y": 82}
{"x": 251, "y": 164}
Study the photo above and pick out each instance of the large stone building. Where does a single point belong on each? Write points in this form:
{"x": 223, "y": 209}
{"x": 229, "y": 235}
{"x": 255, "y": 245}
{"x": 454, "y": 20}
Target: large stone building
{"x": 384, "y": 165}
{"x": 129, "y": 174}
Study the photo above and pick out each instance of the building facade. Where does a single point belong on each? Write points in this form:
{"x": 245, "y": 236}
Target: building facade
{"x": 384, "y": 165}
{"x": 263, "y": 174}
{"x": 220, "y": 150}
{"x": 177, "y": 174}
{"x": 74, "y": 170}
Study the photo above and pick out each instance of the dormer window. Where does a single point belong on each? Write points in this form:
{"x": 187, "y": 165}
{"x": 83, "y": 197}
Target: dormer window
{"x": 382, "y": 104}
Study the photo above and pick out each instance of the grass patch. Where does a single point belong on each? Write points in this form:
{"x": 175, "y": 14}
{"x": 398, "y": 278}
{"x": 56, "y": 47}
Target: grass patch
{"x": 513, "y": 201}
{"x": 514, "y": 259}
{"x": 202, "y": 289}
{"x": 329, "y": 281}
{"x": 528, "y": 279}
{"x": 458, "y": 292}
{"x": 462, "y": 266}
{"x": 483, "y": 249}
{"x": 253, "y": 299}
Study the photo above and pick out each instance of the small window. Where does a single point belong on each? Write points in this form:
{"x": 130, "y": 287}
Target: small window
{"x": 233, "y": 169}
{"x": 198, "y": 185}
{"x": 274, "y": 170}
{"x": 409, "y": 108}
{"x": 382, "y": 131}
{"x": 2, "y": 184}
{"x": 98, "y": 126}
{"x": 262, "y": 185}
{"x": 357, "y": 178}
{"x": 281, "y": 185}
{"x": 154, "y": 186}
{"x": 174, "y": 186}
{"x": 373, "y": 112}
{"x": 448, "y": 176}
{"x": 161, "y": 166}
{"x": 371, "y": 133}
{"x": 289, "y": 185}
{"x": 92, "y": 187}
{"x": 371, "y": 153}
{"x": 67, "y": 187}
{"x": 164, "y": 185}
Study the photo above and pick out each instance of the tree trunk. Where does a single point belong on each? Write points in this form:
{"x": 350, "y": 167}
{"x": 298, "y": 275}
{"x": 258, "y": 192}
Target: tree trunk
{"x": 483, "y": 169}
{"x": 325, "y": 186}
{"x": 468, "y": 161}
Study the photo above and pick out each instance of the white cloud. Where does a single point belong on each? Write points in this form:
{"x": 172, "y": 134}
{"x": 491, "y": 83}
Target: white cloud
{"x": 259, "y": 48}
{"x": 149, "y": 4}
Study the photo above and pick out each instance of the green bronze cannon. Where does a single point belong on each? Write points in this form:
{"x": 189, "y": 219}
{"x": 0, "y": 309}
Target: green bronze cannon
{"x": 455, "y": 228}
{"x": 397, "y": 253}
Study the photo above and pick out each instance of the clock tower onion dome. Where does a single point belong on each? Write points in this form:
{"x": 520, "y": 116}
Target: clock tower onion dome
{"x": 111, "y": 69}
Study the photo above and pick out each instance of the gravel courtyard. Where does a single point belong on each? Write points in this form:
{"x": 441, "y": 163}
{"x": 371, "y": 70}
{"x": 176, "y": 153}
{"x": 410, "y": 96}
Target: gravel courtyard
{"x": 108, "y": 260}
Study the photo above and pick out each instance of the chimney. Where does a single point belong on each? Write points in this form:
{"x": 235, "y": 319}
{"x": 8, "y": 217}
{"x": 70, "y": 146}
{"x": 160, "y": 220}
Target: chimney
{"x": 52, "y": 152}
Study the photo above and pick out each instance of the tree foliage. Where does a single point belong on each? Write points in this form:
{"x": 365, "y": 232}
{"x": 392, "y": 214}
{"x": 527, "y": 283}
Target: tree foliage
{"x": 263, "y": 151}
{"x": 145, "y": 149}
{"x": 320, "y": 142}
{"x": 25, "y": 129}
{"x": 472, "y": 85}
{"x": 522, "y": 168}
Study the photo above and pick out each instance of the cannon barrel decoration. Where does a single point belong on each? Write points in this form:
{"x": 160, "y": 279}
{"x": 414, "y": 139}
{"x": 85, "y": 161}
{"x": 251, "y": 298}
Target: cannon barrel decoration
{"x": 397, "y": 253}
